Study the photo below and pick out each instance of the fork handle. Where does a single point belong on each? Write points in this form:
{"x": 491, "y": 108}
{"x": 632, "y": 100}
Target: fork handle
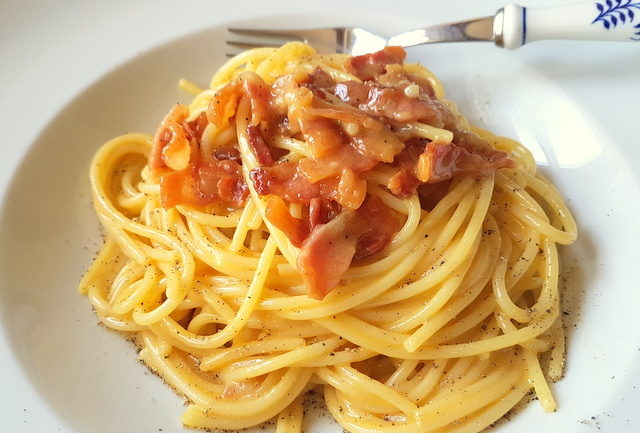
{"x": 600, "y": 20}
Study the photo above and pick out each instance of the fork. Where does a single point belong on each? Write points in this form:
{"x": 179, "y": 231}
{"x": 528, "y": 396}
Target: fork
{"x": 511, "y": 27}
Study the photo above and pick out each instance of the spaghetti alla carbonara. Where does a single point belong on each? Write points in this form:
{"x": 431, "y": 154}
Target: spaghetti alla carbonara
{"x": 331, "y": 223}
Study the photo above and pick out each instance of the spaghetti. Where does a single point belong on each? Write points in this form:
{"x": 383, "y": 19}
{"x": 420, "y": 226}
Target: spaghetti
{"x": 331, "y": 222}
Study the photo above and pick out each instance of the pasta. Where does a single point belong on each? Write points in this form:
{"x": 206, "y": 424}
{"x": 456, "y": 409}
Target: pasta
{"x": 331, "y": 223}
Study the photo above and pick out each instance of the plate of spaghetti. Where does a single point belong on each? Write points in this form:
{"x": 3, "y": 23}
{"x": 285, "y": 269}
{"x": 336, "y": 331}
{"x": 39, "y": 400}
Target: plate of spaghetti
{"x": 401, "y": 241}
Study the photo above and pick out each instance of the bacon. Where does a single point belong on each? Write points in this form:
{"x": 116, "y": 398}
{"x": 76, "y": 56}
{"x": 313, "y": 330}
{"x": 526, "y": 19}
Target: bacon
{"x": 392, "y": 103}
{"x": 320, "y": 120}
{"x": 473, "y": 143}
{"x": 321, "y": 211}
{"x": 323, "y": 135}
{"x": 259, "y": 146}
{"x": 197, "y": 126}
{"x": 378, "y": 144}
{"x": 186, "y": 177}
{"x": 285, "y": 180}
{"x": 447, "y": 161}
{"x": 434, "y": 163}
{"x": 291, "y": 99}
{"x": 397, "y": 77}
{"x": 351, "y": 190}
{"x": 370, "y": 243}
{"x": 290, "y": 182}
{"x": 318, "y": 79}
{"x": 225, "y": 102}
{"x": 368, "y": 66}
{"x": 372, "y": 138}
{"x": 228, "y": 153}
{"x": 405, "y": 182}
{"x": 277, "y": 213}
{"x": 259, "y": 94}
{"x": 326, "y": 254}
{"x": 381, "y": 223}
{"x": 180, "y": 187}
{"x": 222, "y": 180}
{"x": 330, "y": 248}
{"x": 160, "y": 141}
{"x": 204, "y": 183}
{"x": 338, "y": 158}
{"x": 346, "y": 156}
{"x": 172, "y": 147}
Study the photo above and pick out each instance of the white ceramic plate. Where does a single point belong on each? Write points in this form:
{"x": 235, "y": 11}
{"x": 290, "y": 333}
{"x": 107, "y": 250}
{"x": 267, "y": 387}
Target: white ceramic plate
{"x": 77, "y": 73}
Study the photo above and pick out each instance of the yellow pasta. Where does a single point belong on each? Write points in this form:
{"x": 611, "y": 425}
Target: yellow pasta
{"x": 445, "y": 332}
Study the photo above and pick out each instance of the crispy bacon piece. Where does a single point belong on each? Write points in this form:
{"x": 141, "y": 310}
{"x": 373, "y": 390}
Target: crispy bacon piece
{"x": 278, "y": 214}
{"x": 197, "y": 126}
{"x": 224, "y": 104}
{"x": 435, "y": 163}
{"x": 330, "y": 248}
{"x": 223, "y": 180}
{"x": 321, "y": 211}
{"x": 184, "y": 178}
{"x": 367, "y": 66}
{"x": 449, "y": 160}
{"x": 381, "y": 224}
{"x": 326, "y": 254}
{"x": 351, "y": 189}
{"x": 259, "y": 146}
{"x": 323, "y": 135}
{"x": 316, "y": 169}
{"x": 379, "y": 144}
{"x": 290, "y": 98}
{"x": 230, "y": 153}
{"x": 204, "y": 183}
{"x": 180, "y": 187}
{"x": 290, "y": 182}
{"x": 285, "y": 180}
{"x": 318, "y": 79}
{"x": 172, "y": 147}
{"x": 305, "y": 110}
{"x": 393, "y": 103}
{"x": 309, "y": 114}
{"x": 397, "y": 77}
{"x": 405, "y": 182}
{"x": 373, "y": 138}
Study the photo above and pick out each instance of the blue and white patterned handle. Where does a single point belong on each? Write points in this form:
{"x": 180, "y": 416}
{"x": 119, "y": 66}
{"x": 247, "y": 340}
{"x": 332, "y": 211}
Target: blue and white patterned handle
{"x": 599, "y": 20}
